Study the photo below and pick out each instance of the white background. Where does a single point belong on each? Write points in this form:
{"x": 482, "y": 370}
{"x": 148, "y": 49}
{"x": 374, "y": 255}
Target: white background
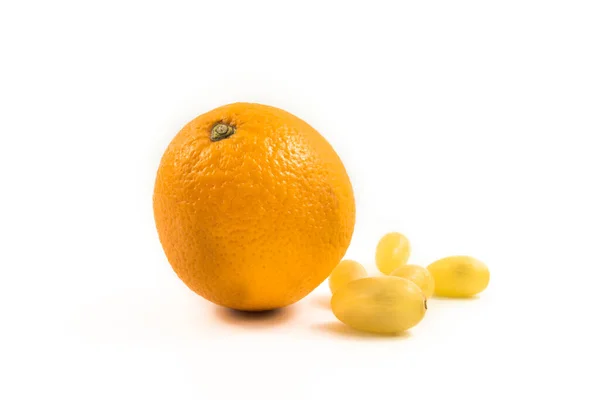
{"x": 470, "y": 126}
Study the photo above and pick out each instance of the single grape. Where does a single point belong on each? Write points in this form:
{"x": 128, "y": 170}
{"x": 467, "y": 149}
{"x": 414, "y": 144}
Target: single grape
{"x": 392, "y": 252}
{"x": 381, "y": 304}
{"x": 346, "y": 271}
{"x": 418, "y": 275}
{"x": 459, "y": 276}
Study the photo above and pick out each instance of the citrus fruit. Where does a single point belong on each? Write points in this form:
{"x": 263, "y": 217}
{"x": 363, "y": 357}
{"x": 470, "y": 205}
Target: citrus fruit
{"x": 380, "y": 304}
{"x": 346, "y": 271}
{"x": 253, "y": 207}
{"x": 459, "y": 276}
{"x": 418, "y": 275}
{"x": 393, "y": 251}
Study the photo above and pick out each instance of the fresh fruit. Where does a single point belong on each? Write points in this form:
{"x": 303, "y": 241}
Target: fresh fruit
{"x": 418, "y": 275}
{"x": 253, "y": 207}
{"x": 346, "y": 271}
{"x": 392, "y": 252}
{"x": 459, "y": 276}
{"x": 381, "y": 304}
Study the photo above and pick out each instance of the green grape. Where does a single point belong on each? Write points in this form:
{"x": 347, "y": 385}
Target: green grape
{"x": 418, "y": 275}
{"x": 346, "y": 271}
{"x": 459, "y": 276}
{"x": 392, "y": 252}
{"x": 381, "y": 304}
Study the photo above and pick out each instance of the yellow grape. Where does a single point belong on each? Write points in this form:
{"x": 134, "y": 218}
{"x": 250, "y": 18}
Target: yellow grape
{"x": 459, "y": 276}
{"x": 418, "y": 275}
{"x": 381, "y": 304}
{"x": 346, "y": 271}
{"x": 392, "y": 252}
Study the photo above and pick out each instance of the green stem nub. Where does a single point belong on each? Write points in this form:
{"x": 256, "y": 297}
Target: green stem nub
{"x": 221, "y": 131}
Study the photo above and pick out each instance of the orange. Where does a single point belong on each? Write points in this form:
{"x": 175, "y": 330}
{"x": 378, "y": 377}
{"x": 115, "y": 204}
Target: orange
{"x": 253, "y": 207}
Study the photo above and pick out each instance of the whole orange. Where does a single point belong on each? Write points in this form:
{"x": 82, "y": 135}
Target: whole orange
{"x": 253, "y": 207}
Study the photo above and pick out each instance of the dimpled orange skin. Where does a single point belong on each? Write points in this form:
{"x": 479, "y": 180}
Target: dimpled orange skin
{"x": 257, "y": 220}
